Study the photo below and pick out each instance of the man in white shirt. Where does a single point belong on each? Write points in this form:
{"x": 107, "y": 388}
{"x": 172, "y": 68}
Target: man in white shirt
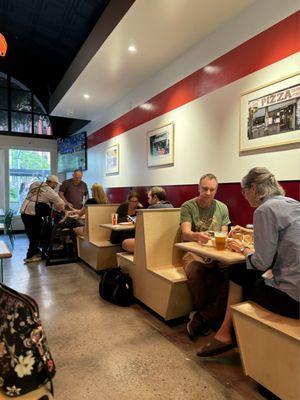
{"x": 39, "y": 193}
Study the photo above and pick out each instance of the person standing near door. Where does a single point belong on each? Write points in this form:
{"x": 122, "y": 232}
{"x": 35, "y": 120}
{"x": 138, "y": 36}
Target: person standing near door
{"x": 39, "y": 194}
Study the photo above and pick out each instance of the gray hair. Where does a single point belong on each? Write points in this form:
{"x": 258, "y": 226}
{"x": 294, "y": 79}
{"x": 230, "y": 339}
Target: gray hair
{"x": 265, "y": 181}
{"x": 208, "y": 176}
{"x": 159, "y": 192}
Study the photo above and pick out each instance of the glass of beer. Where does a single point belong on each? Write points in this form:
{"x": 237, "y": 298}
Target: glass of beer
{"x": 220, "y": 240}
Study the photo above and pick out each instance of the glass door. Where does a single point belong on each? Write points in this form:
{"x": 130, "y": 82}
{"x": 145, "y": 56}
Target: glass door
{"x": 25, "y": 167}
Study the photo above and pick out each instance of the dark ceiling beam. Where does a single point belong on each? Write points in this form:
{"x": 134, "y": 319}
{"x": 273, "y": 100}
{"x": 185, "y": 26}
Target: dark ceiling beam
{"x": 109, "y": 19}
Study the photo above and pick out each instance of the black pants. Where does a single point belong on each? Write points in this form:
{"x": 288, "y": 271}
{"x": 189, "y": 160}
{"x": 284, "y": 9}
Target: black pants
{"x": 33, "y": 227}
{"x": 254, "y": 288}
{"x": 117, "y": 237}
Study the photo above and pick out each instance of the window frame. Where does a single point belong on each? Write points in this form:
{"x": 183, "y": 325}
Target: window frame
{"x": 32, "y": 113}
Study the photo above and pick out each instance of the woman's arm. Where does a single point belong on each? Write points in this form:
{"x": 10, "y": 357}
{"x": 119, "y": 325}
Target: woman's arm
{"x": 265, "y": 240}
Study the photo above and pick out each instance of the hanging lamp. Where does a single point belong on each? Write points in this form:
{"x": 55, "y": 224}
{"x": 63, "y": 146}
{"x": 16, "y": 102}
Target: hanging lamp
{"x": 3, "y": 46}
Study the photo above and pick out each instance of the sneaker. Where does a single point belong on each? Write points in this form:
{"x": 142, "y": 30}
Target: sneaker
{"x": 197, "y": 326}
{"x": 33, "y": 259}
{"x": 39, "y": 254}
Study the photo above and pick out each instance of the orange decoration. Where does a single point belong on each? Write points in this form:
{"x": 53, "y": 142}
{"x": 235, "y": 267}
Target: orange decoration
{"x": 3, "y": 45}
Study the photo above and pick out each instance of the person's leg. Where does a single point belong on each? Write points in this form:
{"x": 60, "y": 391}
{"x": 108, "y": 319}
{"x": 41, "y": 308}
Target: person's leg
{"x": 128, "y": 245}
{"x": 196, "y": 279}
{"x": 79, "y": 230}
{"x": 32, "y": 226}
{"x": 274, "y": 300}
{"x": 217, "y": 295}
{"x": 222, "y": 341}
{"x": 196, "y": 273}
{"x": 241, "y": 282}
{"x": 235, "y": 295}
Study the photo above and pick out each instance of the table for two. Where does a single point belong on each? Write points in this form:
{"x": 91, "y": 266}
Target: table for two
{"x": 225, "y": 256}
{"x": 126, "y": 226}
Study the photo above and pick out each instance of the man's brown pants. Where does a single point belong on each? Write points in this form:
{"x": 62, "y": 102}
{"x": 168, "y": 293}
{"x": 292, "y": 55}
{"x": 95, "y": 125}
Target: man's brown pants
{"x": 208, "y": 284}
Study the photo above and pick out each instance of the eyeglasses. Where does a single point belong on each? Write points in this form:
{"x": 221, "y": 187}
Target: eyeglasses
{"x": 243, "y": 189}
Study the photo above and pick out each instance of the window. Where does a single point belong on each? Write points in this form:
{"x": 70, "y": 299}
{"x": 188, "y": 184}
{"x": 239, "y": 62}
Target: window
{"x": 20, "y": 110}
{"x": 25, "y": 167}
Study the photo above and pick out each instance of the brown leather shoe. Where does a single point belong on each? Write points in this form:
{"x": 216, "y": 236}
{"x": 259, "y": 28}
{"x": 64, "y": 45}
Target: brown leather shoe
{"x": 214, "y": 347}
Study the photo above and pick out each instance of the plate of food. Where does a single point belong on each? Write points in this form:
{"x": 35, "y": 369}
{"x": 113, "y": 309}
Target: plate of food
{"x": 125, "y": 223}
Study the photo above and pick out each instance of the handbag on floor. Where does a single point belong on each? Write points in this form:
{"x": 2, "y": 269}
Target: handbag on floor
{"x": 25, "y": 359}
{"x": 116, "y": 287}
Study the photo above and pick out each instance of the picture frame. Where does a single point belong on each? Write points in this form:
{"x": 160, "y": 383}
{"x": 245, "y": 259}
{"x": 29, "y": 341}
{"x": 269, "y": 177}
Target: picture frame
{"x": 270, "y": 115}
{"x": 160, "y": 146}
{"x": 112, "y": 154}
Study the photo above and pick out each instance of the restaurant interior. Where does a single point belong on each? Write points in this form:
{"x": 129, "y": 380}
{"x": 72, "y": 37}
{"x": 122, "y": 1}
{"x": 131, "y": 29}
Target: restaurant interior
{"x": 140, "y": 94}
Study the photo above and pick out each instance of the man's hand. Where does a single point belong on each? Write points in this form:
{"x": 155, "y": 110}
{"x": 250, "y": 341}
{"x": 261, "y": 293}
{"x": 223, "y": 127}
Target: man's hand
{"x": 235, "y": 245}
{"x": 202, "y": 237}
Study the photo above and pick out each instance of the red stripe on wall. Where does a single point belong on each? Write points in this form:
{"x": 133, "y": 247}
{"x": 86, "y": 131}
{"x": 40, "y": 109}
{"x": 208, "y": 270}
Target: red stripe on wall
{"x": 266, "y": 48}
{"x": 229, "y": 193}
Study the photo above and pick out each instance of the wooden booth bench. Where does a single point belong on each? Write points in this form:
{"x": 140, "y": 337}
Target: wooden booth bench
{"x": 95, "y": 247}
{"x": 269, "y": 348}
{"x": 159, "y": 280}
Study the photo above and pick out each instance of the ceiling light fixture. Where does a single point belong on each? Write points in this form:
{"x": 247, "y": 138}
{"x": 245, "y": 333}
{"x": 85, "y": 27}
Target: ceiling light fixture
{"x": 86, "y": 96}
{"x": 132, "y": 48}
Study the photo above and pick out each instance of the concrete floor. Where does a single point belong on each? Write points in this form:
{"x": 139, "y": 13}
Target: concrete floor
{"x": 107, "y": 352}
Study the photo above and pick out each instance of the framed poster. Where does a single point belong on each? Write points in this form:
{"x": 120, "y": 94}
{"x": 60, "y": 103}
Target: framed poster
{"x": 112, "y": 160}
{"x": 270, "y": 114}
{"x": 160, "y": 146}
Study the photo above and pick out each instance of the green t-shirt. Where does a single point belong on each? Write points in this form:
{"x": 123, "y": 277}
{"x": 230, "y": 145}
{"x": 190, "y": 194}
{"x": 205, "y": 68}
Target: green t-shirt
{"x": 204, "y": 219}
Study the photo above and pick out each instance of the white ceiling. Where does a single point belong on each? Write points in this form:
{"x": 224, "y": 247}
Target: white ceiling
{"x": 161, "y": 30}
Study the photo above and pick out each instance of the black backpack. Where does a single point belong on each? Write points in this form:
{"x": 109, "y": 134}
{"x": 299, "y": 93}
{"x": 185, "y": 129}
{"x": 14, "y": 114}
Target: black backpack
{"x": 25, "y": 359}
{"x": 116, "y": 287}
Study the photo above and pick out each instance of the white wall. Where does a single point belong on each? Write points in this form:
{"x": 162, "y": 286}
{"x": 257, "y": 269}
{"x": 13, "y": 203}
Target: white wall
{"x": 260, "y": 16}
{"x": 206, "y": 129}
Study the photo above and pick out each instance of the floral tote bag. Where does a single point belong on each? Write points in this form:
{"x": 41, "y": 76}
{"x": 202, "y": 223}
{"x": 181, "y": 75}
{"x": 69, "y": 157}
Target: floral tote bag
{"x": 25, "y": 359}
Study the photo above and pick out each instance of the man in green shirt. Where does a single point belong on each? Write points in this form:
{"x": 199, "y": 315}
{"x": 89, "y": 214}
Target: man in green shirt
{"x": 207, "y": 279}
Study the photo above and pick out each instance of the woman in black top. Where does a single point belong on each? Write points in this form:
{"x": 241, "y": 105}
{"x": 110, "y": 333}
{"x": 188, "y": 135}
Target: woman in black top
{"x": 128, "y": 208}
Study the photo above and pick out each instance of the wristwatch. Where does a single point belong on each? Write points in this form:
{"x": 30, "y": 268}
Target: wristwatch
{"x": 243, "y": 249}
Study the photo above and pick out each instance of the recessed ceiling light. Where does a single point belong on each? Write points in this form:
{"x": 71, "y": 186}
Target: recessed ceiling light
{"x": 132, "y": 48}
{"x": 86, "y": 96}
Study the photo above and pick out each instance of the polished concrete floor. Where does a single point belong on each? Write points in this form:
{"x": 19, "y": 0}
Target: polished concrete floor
{"x": 107, "y": 352}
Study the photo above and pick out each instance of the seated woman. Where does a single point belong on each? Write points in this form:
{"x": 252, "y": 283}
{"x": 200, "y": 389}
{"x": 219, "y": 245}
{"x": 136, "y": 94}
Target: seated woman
{"x": 99, "y": 197}
{"x": 271, "y": 275}
{"x": 156, "y": 199}
{"x": 128, "y": 208}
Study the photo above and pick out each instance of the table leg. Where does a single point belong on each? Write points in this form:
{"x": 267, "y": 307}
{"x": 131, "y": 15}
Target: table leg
{"x": 1, "y": 268}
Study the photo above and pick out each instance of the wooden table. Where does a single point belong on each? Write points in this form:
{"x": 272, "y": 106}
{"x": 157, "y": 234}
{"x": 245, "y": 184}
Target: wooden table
{"x": 119, "y": 227}
{"x": 4, "y": 253}
{"x": 208, "y": 250}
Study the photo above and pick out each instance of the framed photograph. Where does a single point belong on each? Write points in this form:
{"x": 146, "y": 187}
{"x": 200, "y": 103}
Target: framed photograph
{"x": 112, "y": 160}
{"x": 270, "y": 114}
{"x": 160, "y": 145}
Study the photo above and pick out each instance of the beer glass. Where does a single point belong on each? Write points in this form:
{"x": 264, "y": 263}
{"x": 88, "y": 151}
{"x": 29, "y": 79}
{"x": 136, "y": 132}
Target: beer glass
{"x": 220, "y": 240}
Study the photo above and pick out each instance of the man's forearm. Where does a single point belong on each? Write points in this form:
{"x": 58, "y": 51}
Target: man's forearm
{"x": 63, "y": 197}
{"x": 190, "y": 236}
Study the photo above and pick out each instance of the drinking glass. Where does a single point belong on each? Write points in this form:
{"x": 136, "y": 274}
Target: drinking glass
{"x": 220, "y": 240}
